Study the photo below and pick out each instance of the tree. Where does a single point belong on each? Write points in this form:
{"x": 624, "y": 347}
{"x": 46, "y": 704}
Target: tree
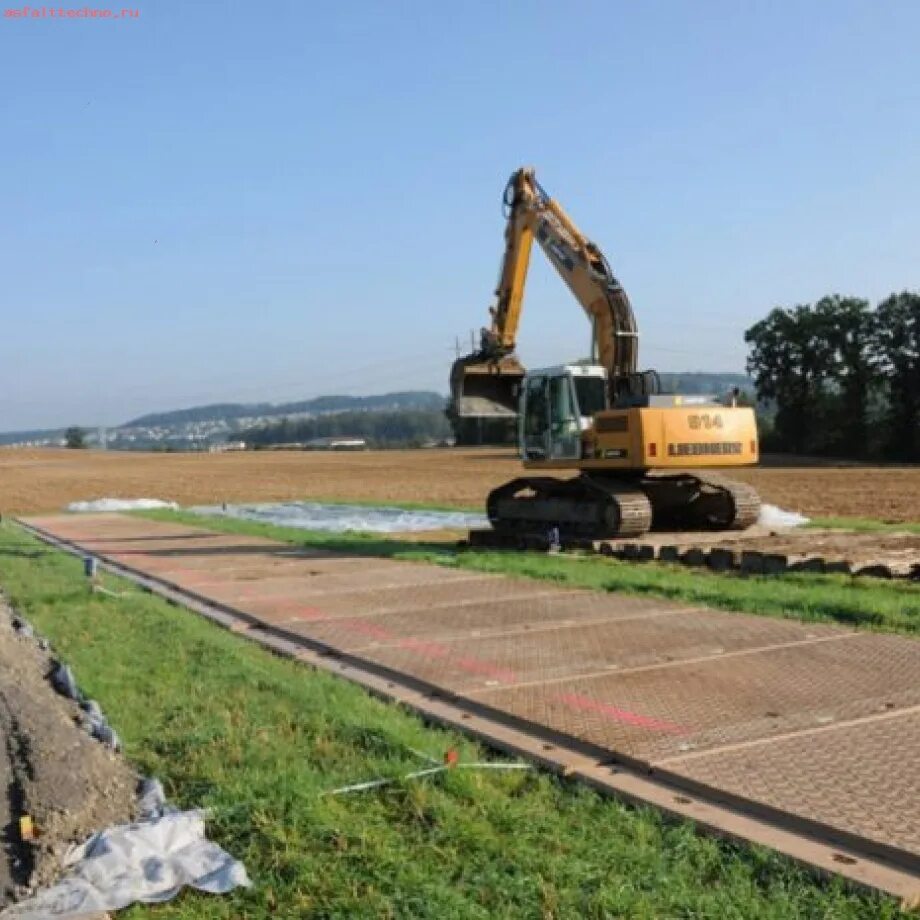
{"x": 897, "y": 350}
{"x": 791, "y": 360}
{"x": 847, "y": 325}
{"x": 75, "y": 438}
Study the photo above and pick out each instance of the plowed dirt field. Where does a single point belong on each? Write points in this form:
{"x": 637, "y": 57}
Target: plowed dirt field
{"x": 46, "y": 480}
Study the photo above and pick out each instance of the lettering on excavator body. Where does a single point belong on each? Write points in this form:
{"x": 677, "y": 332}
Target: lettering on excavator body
{"x": 717, "y": 448}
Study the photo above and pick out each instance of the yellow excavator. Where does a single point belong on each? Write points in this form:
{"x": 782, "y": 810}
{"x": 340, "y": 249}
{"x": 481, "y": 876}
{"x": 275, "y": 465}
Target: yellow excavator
{"x": 635, "y": 450}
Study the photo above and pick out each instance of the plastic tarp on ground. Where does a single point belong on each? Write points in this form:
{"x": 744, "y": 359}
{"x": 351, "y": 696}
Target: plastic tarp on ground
{"x": 341, "y": 518}
{"x": 148, "y": 862}
{"x": 771, "y": 516}
{"x": 121, "y": 504}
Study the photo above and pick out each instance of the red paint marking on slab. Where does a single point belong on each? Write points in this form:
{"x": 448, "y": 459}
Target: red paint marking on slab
{"x": 294, "y": 609}
{"x": 279, "y": 602}
{"x": 477, "y": 666}
{"x": 362, "y": 627}
{"x": 586, "y": 704}
{"x": 428, "y": 649}
{"x": 466, "y": 663}
{"x": 310, "y": 613}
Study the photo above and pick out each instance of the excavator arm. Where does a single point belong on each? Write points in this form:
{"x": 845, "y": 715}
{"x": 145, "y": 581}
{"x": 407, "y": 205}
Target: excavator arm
{"x": 484, "y": 383}
{"x": 533, "y": 214}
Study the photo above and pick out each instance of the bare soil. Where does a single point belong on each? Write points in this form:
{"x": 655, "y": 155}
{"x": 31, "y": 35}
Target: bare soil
{"x": 50, "y": 769}
{"x": 47, "y": 480}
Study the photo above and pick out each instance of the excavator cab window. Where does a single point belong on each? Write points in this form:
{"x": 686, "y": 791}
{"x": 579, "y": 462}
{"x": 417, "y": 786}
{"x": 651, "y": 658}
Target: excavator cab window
{"x": 591, "y": 393}
{"x": 535, "y": 419}
{"x": 565, "y": 425}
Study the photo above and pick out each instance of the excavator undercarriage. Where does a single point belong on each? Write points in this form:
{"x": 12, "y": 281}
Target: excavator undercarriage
{"x": 599, "y": 507}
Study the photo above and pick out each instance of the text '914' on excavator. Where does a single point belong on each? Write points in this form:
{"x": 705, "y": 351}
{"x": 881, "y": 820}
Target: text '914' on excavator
{"x": 635, "y": 451}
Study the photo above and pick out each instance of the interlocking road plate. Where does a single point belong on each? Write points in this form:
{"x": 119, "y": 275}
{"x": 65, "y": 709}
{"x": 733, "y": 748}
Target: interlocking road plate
{"x": 816, "y": 723}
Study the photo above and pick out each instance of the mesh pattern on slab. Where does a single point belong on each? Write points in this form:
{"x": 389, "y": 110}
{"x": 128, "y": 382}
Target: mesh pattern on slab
{"x": 863, "y": 779}
{"x": 465, "y": 620}
{"x": 552, "y": 649}
{"x": 700, "y": 705}
{"x": 377, "y": 601}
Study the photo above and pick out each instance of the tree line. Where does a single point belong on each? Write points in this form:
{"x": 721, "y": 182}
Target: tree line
{"x": 401, "y": 428}
{"x": 840, "y": 378}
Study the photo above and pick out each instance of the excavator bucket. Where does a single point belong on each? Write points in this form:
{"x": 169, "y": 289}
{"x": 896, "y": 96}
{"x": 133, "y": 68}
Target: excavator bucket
{"x": 486, "y": 389}
{"x": 484, "y": 398}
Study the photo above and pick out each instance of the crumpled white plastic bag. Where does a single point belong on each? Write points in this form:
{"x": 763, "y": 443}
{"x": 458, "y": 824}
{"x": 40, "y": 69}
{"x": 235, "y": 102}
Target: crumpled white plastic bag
{"x": 121, "y": 504}
{"x": 150, "y": 861}
{"x": 771, "y": 516}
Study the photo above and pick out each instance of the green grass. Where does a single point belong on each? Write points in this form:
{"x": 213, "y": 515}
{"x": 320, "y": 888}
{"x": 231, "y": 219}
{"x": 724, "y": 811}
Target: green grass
{"x": 258, "y": 738}
{"x": 866, "y": 602}
{"x": 864, "y": 525}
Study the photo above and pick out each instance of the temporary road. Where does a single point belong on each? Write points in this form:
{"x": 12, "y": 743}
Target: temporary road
{"x": 799, "y": 736}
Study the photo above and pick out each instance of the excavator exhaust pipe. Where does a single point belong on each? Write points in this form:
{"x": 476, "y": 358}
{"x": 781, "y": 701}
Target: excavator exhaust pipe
{"x": 484, "y": 394}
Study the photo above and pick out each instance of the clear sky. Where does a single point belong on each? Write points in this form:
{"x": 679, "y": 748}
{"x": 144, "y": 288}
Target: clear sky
{"x": 274, "y": 200}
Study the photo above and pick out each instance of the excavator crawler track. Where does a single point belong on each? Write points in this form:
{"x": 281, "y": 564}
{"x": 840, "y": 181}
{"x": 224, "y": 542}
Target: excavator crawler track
{"x": 598, "y": 507}
{"x": 688, "y": 501}
{"x": 581, "y": 507}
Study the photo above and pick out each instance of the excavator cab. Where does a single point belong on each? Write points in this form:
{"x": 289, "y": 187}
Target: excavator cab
{"x": 557, "y": 405}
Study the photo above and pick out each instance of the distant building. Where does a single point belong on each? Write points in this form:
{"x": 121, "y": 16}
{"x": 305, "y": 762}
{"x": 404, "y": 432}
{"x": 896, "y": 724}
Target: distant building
{"x": 222, "y": 447}
{"x": 333, "y": 443}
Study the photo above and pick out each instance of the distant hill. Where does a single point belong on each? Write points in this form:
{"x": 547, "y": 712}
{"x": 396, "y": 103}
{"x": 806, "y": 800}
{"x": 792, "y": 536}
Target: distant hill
{"x": 410, "y": 399}
{"x": 199, "y": 425}
{"x": 36, "y": 436}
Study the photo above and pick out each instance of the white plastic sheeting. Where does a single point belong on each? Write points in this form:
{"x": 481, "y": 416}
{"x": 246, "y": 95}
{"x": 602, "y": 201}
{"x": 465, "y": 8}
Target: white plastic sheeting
{"x": 341, "y": 518}
{"x": 121, "y": 504}
{"x": 771, "y": 516}
{"x": 150, "y": 861}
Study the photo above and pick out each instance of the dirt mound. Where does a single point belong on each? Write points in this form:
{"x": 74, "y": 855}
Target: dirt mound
{"x": 50, "y": 769}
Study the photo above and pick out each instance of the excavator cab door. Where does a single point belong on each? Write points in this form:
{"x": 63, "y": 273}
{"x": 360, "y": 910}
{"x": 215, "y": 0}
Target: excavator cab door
{"x": 550, "y": 424}
{"x": 564, "y": 422}
{"x": 535, "y": 418}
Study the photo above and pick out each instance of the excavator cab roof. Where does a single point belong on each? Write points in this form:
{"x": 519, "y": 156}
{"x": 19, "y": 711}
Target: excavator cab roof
{"x": 572, "y": 370}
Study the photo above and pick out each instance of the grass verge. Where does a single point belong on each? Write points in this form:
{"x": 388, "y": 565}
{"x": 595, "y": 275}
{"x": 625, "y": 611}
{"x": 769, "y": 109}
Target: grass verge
{"x": 258, "y": 738}
{"x": 865, "y": 525}
{"x": 893, "y": 606}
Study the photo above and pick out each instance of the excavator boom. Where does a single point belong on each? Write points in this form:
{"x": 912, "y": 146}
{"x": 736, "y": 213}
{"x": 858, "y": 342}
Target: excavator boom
{"x": 485, "y": 384}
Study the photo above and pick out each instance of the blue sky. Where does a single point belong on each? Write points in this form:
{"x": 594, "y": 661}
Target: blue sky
{"x": 248, "y": 201}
